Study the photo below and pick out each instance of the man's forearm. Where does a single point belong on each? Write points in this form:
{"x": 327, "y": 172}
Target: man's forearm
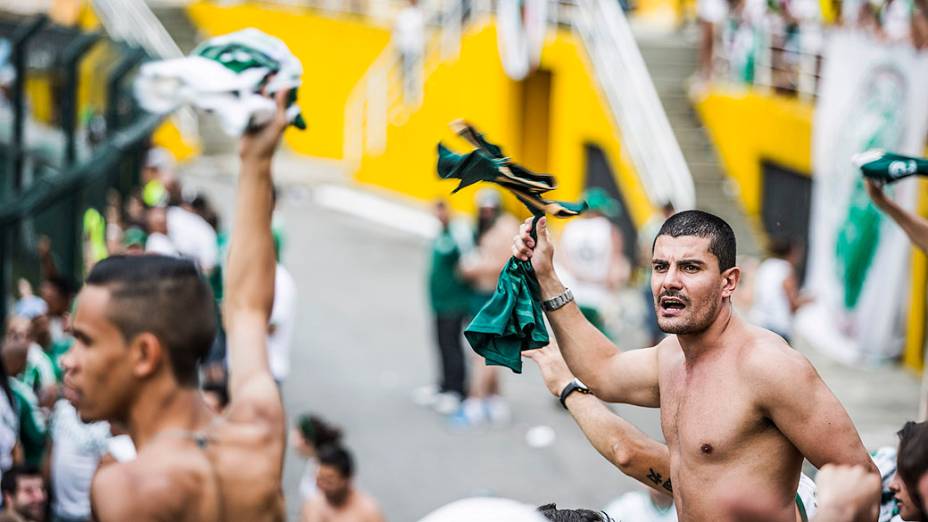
{"x": 621, "y": 443}
{"x": 583, "y": 346}
{"x": 914, "y": 226}
{"x": 250, "y": 276}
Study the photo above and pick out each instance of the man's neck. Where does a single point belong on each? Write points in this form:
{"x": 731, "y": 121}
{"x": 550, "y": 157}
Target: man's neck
{"x": 711, "y": 340}
{"x": 164, "y": 406}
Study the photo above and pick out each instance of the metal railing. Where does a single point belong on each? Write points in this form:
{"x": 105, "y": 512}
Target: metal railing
{"x": 47, "y": 184}
{"x": 636, "y": 108}
{"x": 771, "y": 56}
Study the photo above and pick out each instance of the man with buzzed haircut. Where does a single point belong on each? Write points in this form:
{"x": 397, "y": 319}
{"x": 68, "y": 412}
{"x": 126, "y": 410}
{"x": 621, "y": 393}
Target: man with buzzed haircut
{"x": 141, "y": 327}
{"x": 739, "y": 408}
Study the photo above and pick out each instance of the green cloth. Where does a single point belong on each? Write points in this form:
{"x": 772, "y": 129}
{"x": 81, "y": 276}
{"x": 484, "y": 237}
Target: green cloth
{"x": 448, "y": 293}
{"x": 512, "y": 320}
{"x": 889, "y": 167}
{"x": 58, "y": 349}
{"x": 40, "y": 371}
{"x": 32, "y": 428}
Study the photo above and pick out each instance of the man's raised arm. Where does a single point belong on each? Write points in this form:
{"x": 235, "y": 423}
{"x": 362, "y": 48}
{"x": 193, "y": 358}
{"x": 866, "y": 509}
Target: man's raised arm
{"x": 614, "y": 376}
{"x": 249, "y": 285}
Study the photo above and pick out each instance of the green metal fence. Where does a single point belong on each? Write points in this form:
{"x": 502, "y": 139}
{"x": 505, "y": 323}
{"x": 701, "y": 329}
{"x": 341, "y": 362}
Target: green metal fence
{"x": 53, "y": 174}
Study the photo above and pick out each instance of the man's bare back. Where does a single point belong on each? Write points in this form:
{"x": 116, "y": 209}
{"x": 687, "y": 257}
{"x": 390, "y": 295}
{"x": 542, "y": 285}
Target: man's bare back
{"x": 141, "y": 328}
{"x": 739, "y": 408}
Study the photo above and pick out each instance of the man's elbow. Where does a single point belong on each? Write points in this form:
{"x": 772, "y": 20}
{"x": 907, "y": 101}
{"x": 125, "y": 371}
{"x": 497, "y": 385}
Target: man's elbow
{"x": 624, "y": 455}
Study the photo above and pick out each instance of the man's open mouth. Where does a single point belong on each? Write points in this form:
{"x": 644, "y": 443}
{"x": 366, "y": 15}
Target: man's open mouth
{"x": 672, "y": 303}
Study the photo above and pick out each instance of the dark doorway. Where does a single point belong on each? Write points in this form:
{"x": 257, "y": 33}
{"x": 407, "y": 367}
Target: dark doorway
{"x": 786, "y": 205}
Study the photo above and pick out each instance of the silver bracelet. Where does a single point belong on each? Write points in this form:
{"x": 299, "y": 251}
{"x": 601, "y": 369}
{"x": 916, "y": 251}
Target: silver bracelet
{"x": 558, "y": 302}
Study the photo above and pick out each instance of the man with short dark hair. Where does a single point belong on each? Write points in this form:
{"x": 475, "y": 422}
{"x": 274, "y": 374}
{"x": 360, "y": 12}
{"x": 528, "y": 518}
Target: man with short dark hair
{"x": 24, "y": 495}
{"x": 739, "y": 408}
{"x": 339, "y": 501}
{"x": 141, "y": 327}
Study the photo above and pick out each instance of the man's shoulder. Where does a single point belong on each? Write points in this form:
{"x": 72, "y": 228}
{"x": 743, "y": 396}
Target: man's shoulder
{"x": 139, "y": 488}
{"x": 767, "y": 360}
{"x": 366, "y": 507}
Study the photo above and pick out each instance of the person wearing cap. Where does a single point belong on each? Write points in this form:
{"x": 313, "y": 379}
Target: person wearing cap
{"x": 133, "y": 241}
{"x": 591, "y": 248}
{"x": 495, "y": 229}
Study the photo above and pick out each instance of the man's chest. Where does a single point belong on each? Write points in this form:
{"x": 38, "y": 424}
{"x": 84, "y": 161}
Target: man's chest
{"x": 707, "y": 416}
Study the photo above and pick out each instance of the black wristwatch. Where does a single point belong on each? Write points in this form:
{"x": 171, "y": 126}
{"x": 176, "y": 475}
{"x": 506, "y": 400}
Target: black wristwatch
{"x": 572, "y": 386}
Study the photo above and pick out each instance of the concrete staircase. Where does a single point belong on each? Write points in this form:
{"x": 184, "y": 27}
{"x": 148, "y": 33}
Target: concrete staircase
{"x": 671, "y": 59}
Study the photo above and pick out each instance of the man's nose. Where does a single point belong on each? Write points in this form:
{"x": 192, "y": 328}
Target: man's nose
{"x": 672, "y": 279}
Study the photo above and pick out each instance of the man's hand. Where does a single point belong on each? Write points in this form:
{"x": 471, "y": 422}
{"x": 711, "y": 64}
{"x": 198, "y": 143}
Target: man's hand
{"x": 875, "y": 190}
{"x": 847, "y": 493}
{"x": 553, "y": 368}
{"x": 260, "y": 144}
{"x": 541, "y": 252}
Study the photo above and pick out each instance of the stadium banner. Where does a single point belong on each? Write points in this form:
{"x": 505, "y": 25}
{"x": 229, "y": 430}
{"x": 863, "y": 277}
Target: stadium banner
{"x": 872, "y": 95}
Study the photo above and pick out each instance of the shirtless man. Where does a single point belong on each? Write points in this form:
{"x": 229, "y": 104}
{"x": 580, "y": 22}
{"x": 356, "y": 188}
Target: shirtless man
{"x": 739, "y": 408}
{"x": 340, "y": 501}
{"x": 141, "y": 327}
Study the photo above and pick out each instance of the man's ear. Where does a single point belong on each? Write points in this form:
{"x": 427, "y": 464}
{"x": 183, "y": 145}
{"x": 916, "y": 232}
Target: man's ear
{"x": 730, "y": 279}
{"x": 147, "y": 354}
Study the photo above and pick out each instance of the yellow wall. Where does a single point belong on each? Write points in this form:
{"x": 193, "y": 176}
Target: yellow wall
{"x": 335, "y": 53}
{"x": 475, "y": 88}
{"x": 747, "y": 127}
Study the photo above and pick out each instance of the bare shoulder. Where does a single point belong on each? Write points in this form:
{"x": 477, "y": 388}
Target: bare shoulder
{"x": 369, "y": 509}
{"x": 773, "y": 367}
{"x": 141, "y": 490}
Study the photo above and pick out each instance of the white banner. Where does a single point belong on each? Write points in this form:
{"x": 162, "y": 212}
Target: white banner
{"x": 872, "y": 95}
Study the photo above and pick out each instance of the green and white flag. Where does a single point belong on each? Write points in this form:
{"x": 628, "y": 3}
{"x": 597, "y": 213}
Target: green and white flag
{"x": 233, "y": 76}
{"x": 871, "y": 97}
{"x": 889, "y": 167}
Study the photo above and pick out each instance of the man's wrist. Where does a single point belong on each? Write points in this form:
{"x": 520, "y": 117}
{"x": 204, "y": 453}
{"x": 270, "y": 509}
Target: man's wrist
{"x": 551, "y": 286}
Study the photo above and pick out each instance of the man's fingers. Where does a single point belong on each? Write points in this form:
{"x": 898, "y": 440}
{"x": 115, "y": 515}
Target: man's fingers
{"x": 531, "y": 354}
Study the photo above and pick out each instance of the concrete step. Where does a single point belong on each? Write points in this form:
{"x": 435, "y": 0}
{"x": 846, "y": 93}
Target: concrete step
{"x": 671, "y": 60}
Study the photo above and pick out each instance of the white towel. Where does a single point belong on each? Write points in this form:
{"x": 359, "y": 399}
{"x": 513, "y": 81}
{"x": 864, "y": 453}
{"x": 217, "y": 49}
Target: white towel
{"x": 225, "y": 75}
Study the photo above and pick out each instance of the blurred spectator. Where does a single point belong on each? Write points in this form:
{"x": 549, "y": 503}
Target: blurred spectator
{"x": 910, "y": 485}
{"x": 639, "y": 506}
{"x": 30, "y": 420}
{"x": 280, "y": 327}
{"x": 39, "y": 372}
{"x": 133, "y": 241}
{"x": 340, "y": 500}
{"x": 495, "y": 229}
{"x": 56, "y": 290}
{"x": 74, "y": 454}
{"x": 157, "y": 228}
{"x": 449, "y": 297}
{"x": 309, "y": 435}
{"x": 776, "y": 288}
{"x": 591, "y": 253}
{"x": 409, "y": 41}
{"x": 24, "y": 497}
{"x": 29, "y": 305}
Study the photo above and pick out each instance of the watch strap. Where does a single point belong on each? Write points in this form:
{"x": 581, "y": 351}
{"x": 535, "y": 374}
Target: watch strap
{"x": 572, "y": 386}
{"x": 558, "y": 301}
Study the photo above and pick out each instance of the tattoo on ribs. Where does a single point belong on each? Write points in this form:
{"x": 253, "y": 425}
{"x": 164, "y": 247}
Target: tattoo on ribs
{"x": 658, "y": 480}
